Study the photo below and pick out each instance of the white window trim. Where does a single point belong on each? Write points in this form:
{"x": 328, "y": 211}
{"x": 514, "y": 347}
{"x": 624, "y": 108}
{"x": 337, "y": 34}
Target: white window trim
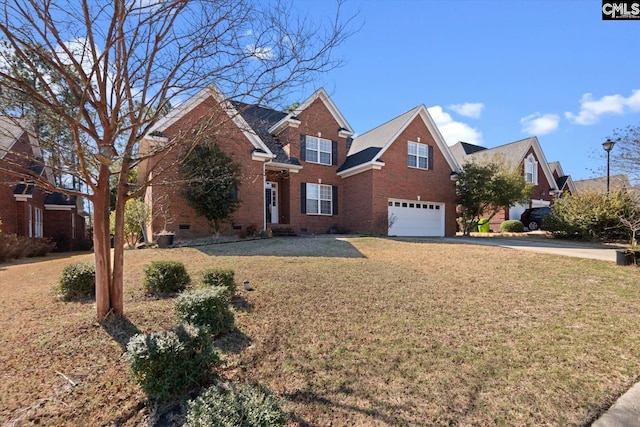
{"x": 38, "y": 232}
{"x": 531, "y": 163}
{"x": 318, "y": 151}
{"x": 320, "y": 199}
{"x": 418, "y": 156}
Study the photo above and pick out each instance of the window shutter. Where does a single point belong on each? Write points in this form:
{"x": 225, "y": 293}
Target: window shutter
{"x": 303, "y": 197}
{"x": 303, "y": 147}
{"x": 334, "y": 152}
{"x": 430, "y": 157}
{"x": 334, "y": 199}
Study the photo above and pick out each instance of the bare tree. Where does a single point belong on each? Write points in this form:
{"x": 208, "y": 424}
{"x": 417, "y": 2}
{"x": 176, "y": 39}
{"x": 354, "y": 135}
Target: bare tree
{"x": 626, "y": 156}
{"x": 125, "y": 61}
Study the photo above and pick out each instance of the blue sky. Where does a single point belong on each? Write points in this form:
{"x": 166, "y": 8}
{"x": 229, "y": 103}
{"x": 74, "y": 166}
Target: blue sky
{"x": 492, "y": 71}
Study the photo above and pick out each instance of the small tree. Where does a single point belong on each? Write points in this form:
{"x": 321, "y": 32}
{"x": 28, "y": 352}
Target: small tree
{"x": 486, "y": 188}
{"x": 136, "y": 215}
{"x": 211, "y": 180}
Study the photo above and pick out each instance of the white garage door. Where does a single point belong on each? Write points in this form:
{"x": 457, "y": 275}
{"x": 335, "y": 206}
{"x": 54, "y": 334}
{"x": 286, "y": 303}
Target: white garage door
{"x": 416, "y": 218}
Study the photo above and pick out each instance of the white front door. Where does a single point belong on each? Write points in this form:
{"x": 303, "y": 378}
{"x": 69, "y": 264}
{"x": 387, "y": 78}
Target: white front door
{"x": 271, "y": 200}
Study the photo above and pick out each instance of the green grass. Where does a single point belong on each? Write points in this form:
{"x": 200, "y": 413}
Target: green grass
{"x": 358, "y": 331}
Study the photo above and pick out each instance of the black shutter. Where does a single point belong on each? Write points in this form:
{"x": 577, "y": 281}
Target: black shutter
{"x": 303, "y": 197}
{"x": 334, "y": 199}
{"x": 430, "y": 157}
{"x": 334, "y": 152}
{"x": 303, "y": 147}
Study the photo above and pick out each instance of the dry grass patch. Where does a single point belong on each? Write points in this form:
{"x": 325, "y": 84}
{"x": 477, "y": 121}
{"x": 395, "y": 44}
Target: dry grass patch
{"x": 359, "y": 331}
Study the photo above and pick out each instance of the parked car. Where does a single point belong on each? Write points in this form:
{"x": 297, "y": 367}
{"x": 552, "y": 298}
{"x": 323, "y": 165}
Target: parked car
{"x": 532, "y": 217}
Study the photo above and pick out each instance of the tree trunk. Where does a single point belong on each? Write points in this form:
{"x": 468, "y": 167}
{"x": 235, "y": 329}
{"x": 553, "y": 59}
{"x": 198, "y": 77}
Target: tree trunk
{"x": 102, "y": 244}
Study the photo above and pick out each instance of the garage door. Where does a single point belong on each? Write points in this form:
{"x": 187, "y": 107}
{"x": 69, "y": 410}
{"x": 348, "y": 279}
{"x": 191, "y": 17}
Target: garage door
{"x": 416, "y": 218}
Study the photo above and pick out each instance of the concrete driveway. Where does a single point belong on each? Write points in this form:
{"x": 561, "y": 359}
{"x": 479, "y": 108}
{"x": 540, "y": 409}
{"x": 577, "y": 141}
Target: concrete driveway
{"x": 545, "y": 246}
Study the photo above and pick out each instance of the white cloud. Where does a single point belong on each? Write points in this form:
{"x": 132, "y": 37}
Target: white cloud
{"x": 259, "y": 51}
{"x": 453, "y": 131}
{"x": 539, "y": 124}
{"x": 591, "y": 109}
{"x": 468, "y": 109}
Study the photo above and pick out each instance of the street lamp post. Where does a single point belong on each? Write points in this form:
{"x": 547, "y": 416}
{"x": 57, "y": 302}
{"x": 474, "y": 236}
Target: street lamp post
{"x": 608, "y": 146}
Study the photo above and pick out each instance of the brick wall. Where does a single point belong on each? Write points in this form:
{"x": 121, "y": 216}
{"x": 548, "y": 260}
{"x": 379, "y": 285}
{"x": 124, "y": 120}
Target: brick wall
{"x": 183, "y": 220}
{"x": 397, "y": 180}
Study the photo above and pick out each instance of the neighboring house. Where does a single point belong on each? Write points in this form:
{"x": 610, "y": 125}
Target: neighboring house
{"x": 599, "y": 184}
{"x": 527, "y": 156}
{"x": 302, "y": 172}
{"x": 26, "y": 209}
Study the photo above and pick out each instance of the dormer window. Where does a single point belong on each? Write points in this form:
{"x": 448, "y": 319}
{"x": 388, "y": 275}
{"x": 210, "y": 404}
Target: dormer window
{"x": 531, "y": 170}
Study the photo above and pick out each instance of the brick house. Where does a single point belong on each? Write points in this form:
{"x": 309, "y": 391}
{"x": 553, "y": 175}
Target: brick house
{"x": 526, "y": 155}
{"x": 26, "y": 209}
{"x": 302, "y": 172}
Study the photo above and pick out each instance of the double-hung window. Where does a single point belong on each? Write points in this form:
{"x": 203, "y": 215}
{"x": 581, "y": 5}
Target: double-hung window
{"x": 418, "y": 155}
{"x": 318, "y": 150}
{"x": 319, "y": 199}
{"x": 531, "y": 170}
{"x": 37, "y": 223}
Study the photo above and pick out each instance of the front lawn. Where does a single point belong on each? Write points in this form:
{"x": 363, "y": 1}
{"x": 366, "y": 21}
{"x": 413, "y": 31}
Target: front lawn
{"x": 349, "y": 331}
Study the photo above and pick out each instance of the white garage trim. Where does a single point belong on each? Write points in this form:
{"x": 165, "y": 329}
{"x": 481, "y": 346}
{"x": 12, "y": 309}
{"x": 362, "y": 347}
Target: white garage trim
{"x": 416, "y": 218}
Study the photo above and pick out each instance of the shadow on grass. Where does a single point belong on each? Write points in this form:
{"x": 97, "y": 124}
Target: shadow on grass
{"x": 317, "y": 246}
{"x": 120, "y": 329}
{"x": 235, "y": 342}
{"x": 379, "y": 411}
{"x": 240, "y": 303}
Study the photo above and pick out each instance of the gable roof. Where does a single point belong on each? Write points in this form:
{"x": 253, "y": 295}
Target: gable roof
{"x": 189, "y": 105}
{"x": 461, "y": 150}
{"x": 345, "y": 127}
{"x": 366, "y": 150}
{"x": 11, "y": 130}
{"x": 563, "y": 180}
{"x": 513, "y": 154}
{"x": 616, "y": 183}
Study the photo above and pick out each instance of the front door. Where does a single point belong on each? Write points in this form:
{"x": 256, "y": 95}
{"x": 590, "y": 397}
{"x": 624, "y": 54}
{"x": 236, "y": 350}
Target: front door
{"x": 271, "y": 201}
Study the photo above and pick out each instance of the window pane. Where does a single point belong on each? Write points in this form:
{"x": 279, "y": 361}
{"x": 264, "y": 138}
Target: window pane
{"x": 312, "y": 191}
{"x": 422, "y": 150}
{"x": 325, "y": 158}
{"x": 326, "y": 207}
{"x": 325, "y": 145}
{"x": 413, "y": 149}
{"x": 312, "y": 206}
{"x": 422, "y": 162}
{"x": 325, "y": 192}
{"x": 412, "y": 161}
{"x": 312, "y": 143}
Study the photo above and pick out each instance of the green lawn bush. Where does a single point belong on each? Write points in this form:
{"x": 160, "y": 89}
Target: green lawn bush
{"x": 164, "y": 277}
{"x": 511, "y": 226}
{"x": 167, "y": 364}
{"x": 235, "y": 405}
{"x": 220, "y": 277}
{"x": 207, "y": 308}
{"x": 77, "y": 281}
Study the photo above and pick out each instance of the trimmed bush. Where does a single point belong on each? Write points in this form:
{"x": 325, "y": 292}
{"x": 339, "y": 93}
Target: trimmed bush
{"x": 511, "y": 226}
{"x": 14, "y": 247}
{"x": 235, "y": 405}
{"x": 220, "y": 277}
{"x": 77, "y": 281}
{"x": 164, "y": 277}
{"x": 207, "y": 308}
{"x": 167, "y": 364}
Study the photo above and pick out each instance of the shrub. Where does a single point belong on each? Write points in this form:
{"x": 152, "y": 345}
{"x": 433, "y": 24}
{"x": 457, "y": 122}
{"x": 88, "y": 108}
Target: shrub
{"x": 77, "y": 281}
{"x": 511, "y": 226}
{"x": 235, "y": 405}
{"x": 207, "y": 308}
{"x": 13, "y": 246}
{"x": 163, "y": 277}
{"x": 36, "y": 247}
{"x": 220, "y": 277}
{"x": 167, "y": 364}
